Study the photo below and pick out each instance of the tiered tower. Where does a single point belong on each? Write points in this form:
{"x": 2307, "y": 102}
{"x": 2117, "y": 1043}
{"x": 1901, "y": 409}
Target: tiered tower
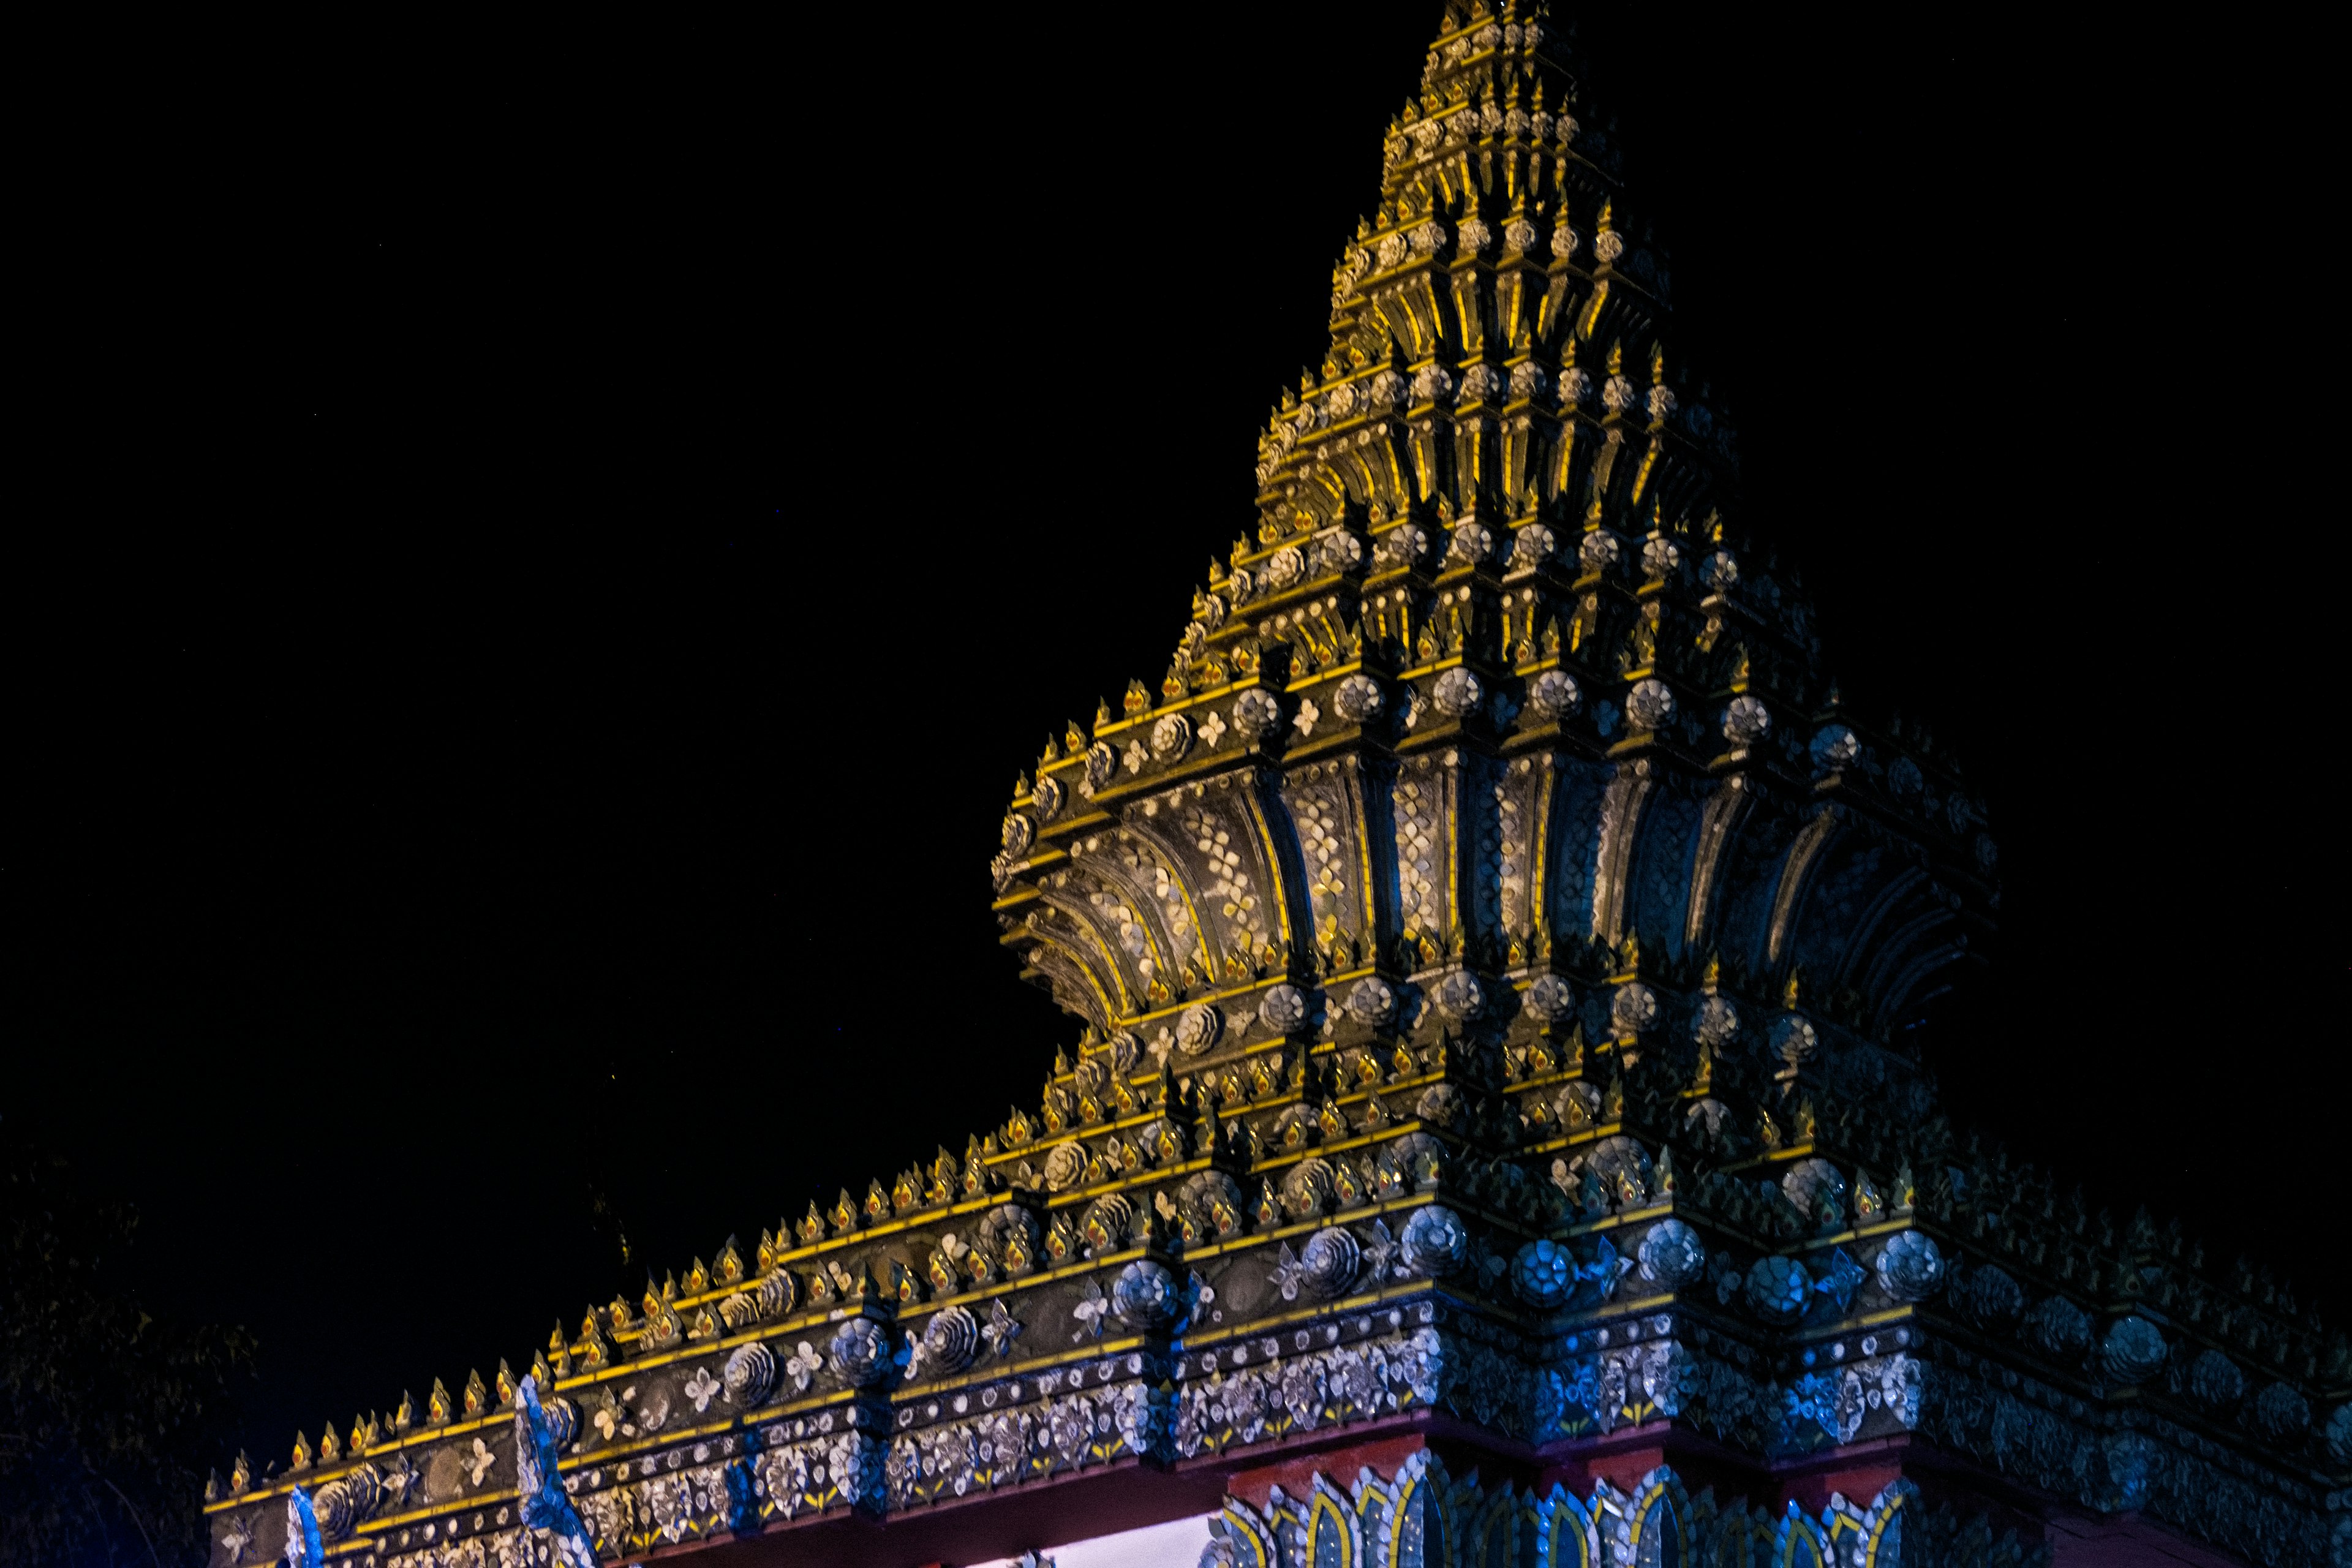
{"x": 1494, "y": 1136}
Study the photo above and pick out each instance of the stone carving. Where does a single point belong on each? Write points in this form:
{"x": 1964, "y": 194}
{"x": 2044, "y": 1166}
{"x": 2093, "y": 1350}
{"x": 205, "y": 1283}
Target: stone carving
{"x": 1715, "y": 1023}
{"x": 1599, "y": 552}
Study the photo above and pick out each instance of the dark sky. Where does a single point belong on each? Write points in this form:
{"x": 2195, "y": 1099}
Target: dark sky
{"x": 548, "y": 568}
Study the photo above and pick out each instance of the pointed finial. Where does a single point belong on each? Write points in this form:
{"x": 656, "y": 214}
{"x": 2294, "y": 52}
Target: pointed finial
{"x": 301, "y": 1452}
{"x": 1788, "y": 993}
{"x": 1102, "y": 716}
{"x": 406, "y": 1417}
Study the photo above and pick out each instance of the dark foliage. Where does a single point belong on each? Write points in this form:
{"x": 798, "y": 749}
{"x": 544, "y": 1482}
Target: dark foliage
{"x": 106, "y": 1412}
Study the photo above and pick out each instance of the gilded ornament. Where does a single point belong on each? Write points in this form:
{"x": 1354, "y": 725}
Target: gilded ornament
{"x": 1145, "y": 1295}
{"x": 1779, "y": 1289}
{"x": 1551, "y": 998}
{"x": 950, "y": 1341}
{"x": 1357, "y": 699}
{"x": 750, "y": 1372}
{"x": 1543, "y": 1274}
{"x": 1910, "y": 1268}
{"x": 1817, "y": 1190}
{"x": 1018, "y": 831}
{"x": 1459, "y": 996}
{"x": 1101, "y": 762}
{"x": 1307, "y": 1189}
{"x": 2060, "y": 1328}
{"x": 777, "y": 1293}
{"x": 1197, "y": 1028}
{"x": 1370, "y": 1001}
{"x": 1282, "y": 1008}
{"x": 1834, "y": 748}
{"x": 1107, "y": 1224}
{"x": 2279, "y": 1412}
{"x": 1065, "y": 1167}
{"x": 1440, "y": 1105}
{"x": 860, "y": 1352}
{"x": 1330, "y": 1261}
{"x": 1745, "y": 720}
{"x": 1633, "y": 1008}
{"x": 1256, "y": 713}
{"x": 1434, "y": 1242}
{"x": 1457, "y": 692}
{"x": 1650, "y": 704}
{"x": 1672, "y": 1254}
{"x": 2215, "y": 1382}
{"x": 1554, "y": 695}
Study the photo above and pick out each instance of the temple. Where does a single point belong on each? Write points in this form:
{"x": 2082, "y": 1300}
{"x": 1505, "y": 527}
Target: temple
{"x": 1493, "y": 1131}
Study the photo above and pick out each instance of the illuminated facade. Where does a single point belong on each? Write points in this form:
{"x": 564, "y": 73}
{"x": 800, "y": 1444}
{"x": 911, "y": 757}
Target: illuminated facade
{"x": 1492, "y": 1138}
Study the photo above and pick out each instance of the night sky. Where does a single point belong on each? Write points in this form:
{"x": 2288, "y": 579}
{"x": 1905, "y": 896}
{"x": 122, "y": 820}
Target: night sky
{"x": 552, "y": 572}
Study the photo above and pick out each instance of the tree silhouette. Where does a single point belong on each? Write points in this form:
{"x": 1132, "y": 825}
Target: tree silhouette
{"x": 104, "y": 1409}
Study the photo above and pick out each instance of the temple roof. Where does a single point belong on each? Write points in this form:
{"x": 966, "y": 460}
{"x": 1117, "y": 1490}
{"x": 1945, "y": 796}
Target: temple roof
{"x": 1492, "y": 916}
